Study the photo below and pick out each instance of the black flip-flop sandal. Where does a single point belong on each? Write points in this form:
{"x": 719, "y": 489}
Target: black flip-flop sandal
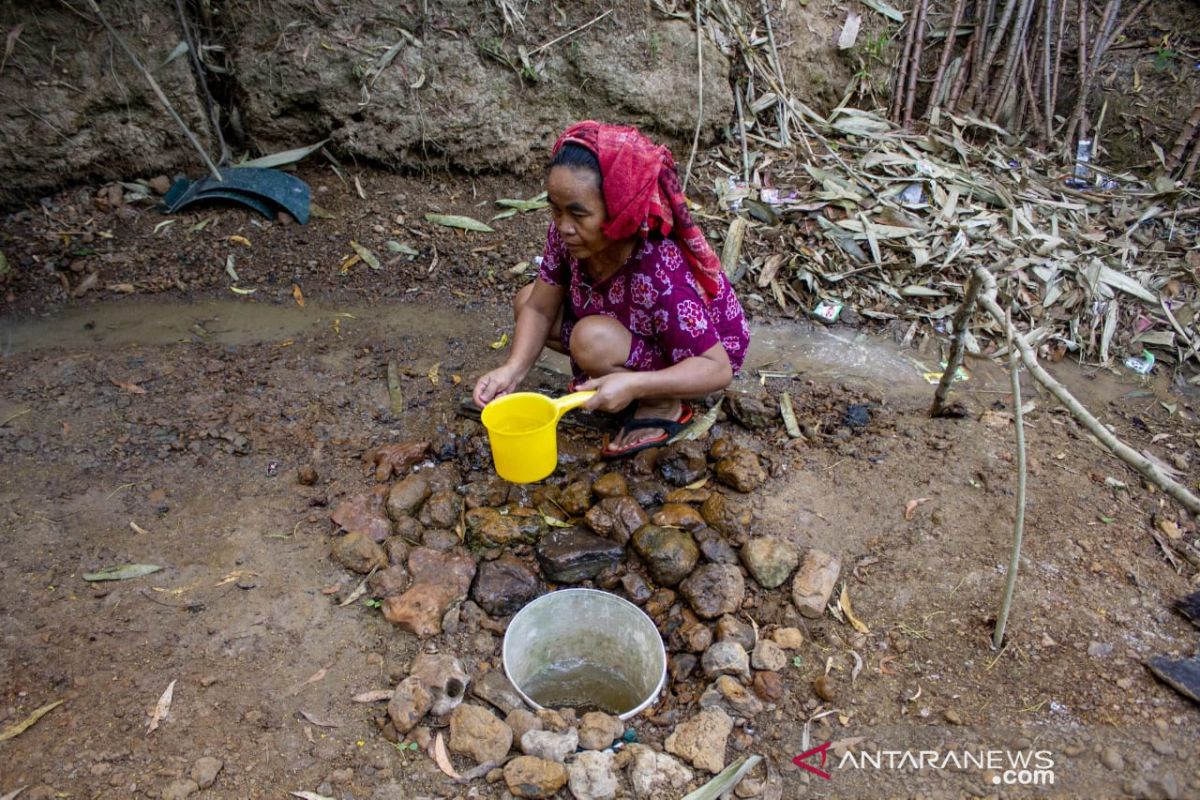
{"x": 670, "y": 427}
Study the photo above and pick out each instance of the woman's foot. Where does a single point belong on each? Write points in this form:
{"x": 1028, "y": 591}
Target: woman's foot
{"x": 652, "y": 424}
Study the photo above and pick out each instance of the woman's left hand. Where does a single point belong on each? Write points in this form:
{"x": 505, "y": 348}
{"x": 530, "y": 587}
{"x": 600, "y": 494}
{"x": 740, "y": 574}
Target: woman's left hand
{"x": 613, "y": 391}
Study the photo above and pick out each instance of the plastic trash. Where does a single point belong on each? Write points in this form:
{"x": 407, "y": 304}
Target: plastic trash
{"x": 1143, "y": 365}
{"x": 828, "y": 311}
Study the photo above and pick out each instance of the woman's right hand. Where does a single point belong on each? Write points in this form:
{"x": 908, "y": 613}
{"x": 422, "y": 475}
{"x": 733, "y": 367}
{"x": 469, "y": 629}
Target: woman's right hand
{"x": 497, "y": 383}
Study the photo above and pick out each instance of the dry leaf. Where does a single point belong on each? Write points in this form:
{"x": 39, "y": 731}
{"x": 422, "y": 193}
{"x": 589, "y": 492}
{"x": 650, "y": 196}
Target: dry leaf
{"x": 132, "y": 388}
{"x": 242, "y": 240}
{"x": 311, "y": 795}
{"x": 369, "y": 258}
{"x": 320, "y": 723}
{"x": 315, "y": 677}
{"x": 1169, "y": 527}
{"x": 16, "y": 730}
{"x": 433, "y": 374}
{"x": 848, "y": 610}
{"x": 373, "y": 696}
{"x": 138, "y": 528}
{"x": 298, "y": 295}
{"x": 911, "y": 506}
{"x": 162, "y": 708}
{"x": 442, "y": 758}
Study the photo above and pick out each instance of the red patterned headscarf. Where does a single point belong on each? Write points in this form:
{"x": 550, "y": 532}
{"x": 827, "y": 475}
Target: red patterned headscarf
{"x": 642, "y": 193}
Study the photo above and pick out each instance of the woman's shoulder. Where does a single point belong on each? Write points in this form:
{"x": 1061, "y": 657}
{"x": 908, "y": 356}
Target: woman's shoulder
{"x": 662, "y": 255}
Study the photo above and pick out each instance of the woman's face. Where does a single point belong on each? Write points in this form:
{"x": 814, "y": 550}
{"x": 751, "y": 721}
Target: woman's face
{"x": 578, "y": 209}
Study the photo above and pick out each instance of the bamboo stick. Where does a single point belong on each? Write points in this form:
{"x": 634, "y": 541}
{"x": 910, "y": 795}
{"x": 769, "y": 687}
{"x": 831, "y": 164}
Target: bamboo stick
{"x": 987, "y": 299}
{"x": 902, "y": 66}
{"x": 1015, "y": 40}
{"x": 1190, "y": 170}
{"x": 977, "y": 86}
{"x": 915, "y": 69}
{"x": 1184, "y": 138}
{"x": 960, "y": 80}
{"x": 1047, "y": 97}
{"x": 1058, "y": 51}
{"x": 935, "y": 99}
{"x": 961, "y": 321}
{"x": 1014, "y": 560}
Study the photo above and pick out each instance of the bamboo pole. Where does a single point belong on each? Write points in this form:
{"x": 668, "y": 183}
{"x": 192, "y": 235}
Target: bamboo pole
{"x": 1014, "y": 560}
{"x": 962, "y": 318}
{"x": 976, "y": 91}
{"x": 935, "y": 98}
{"x": 1143, "y": 465}
{"x": 1015, "y": 40}
{"x": 1184, "y": 138}
{"x": 914, "y": 71}
{"x": 902, "y": 66}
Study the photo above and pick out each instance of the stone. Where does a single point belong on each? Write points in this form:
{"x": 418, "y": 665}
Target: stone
{"x": 481, "y": 494}
{"x": 419, "y": 610}
{"x": 726, "y": 658}
{"x": 678, "y": 515}
{"x": 593, "y": 776}
{"x": 409, "y": 704}
{"x": 553, "y": 719}
{"x": 161, "y": 184}
{"x": 365, "y": 513}
{"x": 178, "y": 790}
{"x": 488, "y": 527}
{"x": 686, "y": 495}
{"x": 441, "y": 510}
{"x": 770, "y": 560}
{"x": 476, "y": 733}
{"x": 788, "y": 638}
{"x": 701, "y": 740}
{"x": 610, "y": 484}
{"x": 573, "y": 555}
{"x": 456, "y": 570}
{"x": 648, "y": 493}
{"x": 307, "y": 476}
{"x": 670, "y": 554}
{"x": 721, "y": 447}
{"x": 768, "y": 686}
{"x": 397, "y": 548}
{"x": 391, "y": 582}
{"x": 657, "y": 776}
{"x": 660, "y": 603}
{"x": 953, "y": 717}
{"x": 1100, "y": 649}
{"x": 814, "y": 582}
{"x": 683, "y": 462}
{"x": 713, "y": 590}
{"x": 1111, "y": 757}
{"x": 358, "y": 553}
{"x": 731, "y": 629}
{"x": 549, "y": 745}
{"x": 530, "y": 777}
{"x": 504, "y": 586}
{"x": 441, "y": 539}
{"x": 576, "y": 499}
{"x": 825, "y": 688}
{"x": 715, "y": 548}
{"x": 522, "y": 721}
{"x": 695, "y": 637}
{"x": 444, "y": 678}
{"x": 682, "y": 665}
{"x": 495, "y": 688}
{"x": 616, "y": 518}
{"x": 751, "y": 412}
{"x": 729, "y": 516}
{"x": 740, "y": 470}
{"x": 406, "y": 496}
{"x": 740, "y": 699}
{"x": 598, "y": 730}
{"x": 636, "y": 588}
{"x": 769, "y": 656}
{"x": 205, "y": 771}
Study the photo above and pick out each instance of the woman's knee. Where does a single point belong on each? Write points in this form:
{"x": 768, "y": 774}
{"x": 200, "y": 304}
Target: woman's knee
{"x": 600, "y": 344}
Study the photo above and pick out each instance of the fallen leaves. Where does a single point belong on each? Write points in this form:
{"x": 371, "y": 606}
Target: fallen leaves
{"x": 464, "y": 223}
{"x": 132, "y": 388}
{"x": 126, "y": 571}
{"x": 442, "y": 758}
{"x": 298, "y": 295}
{"x": 320, "y": 723}
{"x": 162, "y": 708}
{"x": 848, "y": 610}
{"x": 911, "y": 506}
{"x": 368, "y": 257}
{"x": 373, "y": 696}
{"x": 13, "y": 731}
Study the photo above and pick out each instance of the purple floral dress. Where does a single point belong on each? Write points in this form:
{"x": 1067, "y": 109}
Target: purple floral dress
{"x": 656, "y": 298}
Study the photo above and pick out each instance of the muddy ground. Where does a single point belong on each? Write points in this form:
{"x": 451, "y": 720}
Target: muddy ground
{"x": 158, "y": 417}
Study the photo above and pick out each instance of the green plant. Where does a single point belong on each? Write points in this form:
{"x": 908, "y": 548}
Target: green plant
{"x": 1164, "y": 56}
{"x": 372, "y": 602}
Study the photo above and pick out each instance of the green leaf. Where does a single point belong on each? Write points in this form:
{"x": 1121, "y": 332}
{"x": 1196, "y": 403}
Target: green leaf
{"x": 797, "y": 662}
{"x": 179, "y": 50}
{"x": 122, "y": 573}
{"x": 396, "y": 247}
{"x": 512, "y": 212}
{"x": 454, "y": 221}
{"x": 14, "y": 731}
{"x": 1107, "y": 520}
{"x": 366, "y": 255}
{"x": 285, "y": 157}
{"x": 726, "y": 780}
{"x": 532, "y": 204}
{"x": 883, "y": 8}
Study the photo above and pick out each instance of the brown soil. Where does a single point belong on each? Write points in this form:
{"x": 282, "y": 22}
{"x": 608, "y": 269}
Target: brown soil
{"x": 172, "y": 434}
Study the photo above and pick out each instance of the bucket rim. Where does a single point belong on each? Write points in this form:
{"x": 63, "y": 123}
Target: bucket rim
{"x": 662, "y": 678}
{"x": 550, "y": 423}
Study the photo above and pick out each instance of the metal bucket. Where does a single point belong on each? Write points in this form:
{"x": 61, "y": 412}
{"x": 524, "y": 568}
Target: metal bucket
{"x": 585, "y": 649}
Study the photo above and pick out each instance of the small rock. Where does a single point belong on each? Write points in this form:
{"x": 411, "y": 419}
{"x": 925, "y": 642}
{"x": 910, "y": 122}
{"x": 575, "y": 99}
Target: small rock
{"x": 788, "y": 638}
{"x": 1162, "y": 746}
{"x": 365, "y": 513}
{"x": 397, "y": 549}
{"x": 454, "y": 570}
{"x": 409, "y": 704}
{"x": 731, "y": 517}
{"x": 504, "y": 586}
{"x": 682, "y": 665}
{"x": 657, "y": 776}
{"x": 419, "y": 610}
{"x": 685, "y": 495}
{"x": 485, "y": 493}
{"x": 659, "y": 603}
{"x": 701, "y": 740}
{"x": 307, "y": 476}
{"x": 487, "y": 527}
{"x": 814, "y": 582}
{"x": 406, "y": 496}
{"x": 825, "y": 688}
{"x": 593, "y": 776}
{"x": 769, "y": 656}
{"x": 477, "y": 733}
{"x": 741, "y": 701}
{"x": 677, "y": 515}
{"x": 522, "y": 721}
{"x": 695, "y": 637}
{"x": 495, "y": 688}
{"x": 205, "y": 771}
{"x": 726, "y": 658}
{"x": 610, "y": 484}
{"x": 534, "y": 778}
{"x": 616, "y": 518}
{"x": 714, "y": 590}
{"x": 358, "y": 553}
{"x": 953, "y": 717}
{"x": 752, "y": 412}
{"x": 731, "y": 629}
{"x": 741, "y": 471}
{"x": 576, "y": 499}
{"x": 441, "y": 510}
{"x": 598, "y": 730}
{"x": 552, "y": 720}
{"x": 178, "y": 790}
{"x": 715, "y": 548}
{"x": 391, "y": 582}
{"x": 636, "y": 588}
{"x": 670, "y": 553}
{"x": 858, "y": 415}
{"x": 549, "y": 745}
{"x": 1099, "y": 649}
{"x": 768, "y": 686}
{"x": 770, "y": 560}
{"x": 573, "y": 555}
{"x": 683, "y": 462}
{"x": 161, "y": 184}
{"x": 648, "y": 493}
{"x": 1111, "y": 757}
{"x": 444, "y": 678}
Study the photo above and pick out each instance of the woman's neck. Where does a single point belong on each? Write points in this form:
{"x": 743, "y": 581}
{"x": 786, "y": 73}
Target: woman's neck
{"x": 605, "y": 264}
